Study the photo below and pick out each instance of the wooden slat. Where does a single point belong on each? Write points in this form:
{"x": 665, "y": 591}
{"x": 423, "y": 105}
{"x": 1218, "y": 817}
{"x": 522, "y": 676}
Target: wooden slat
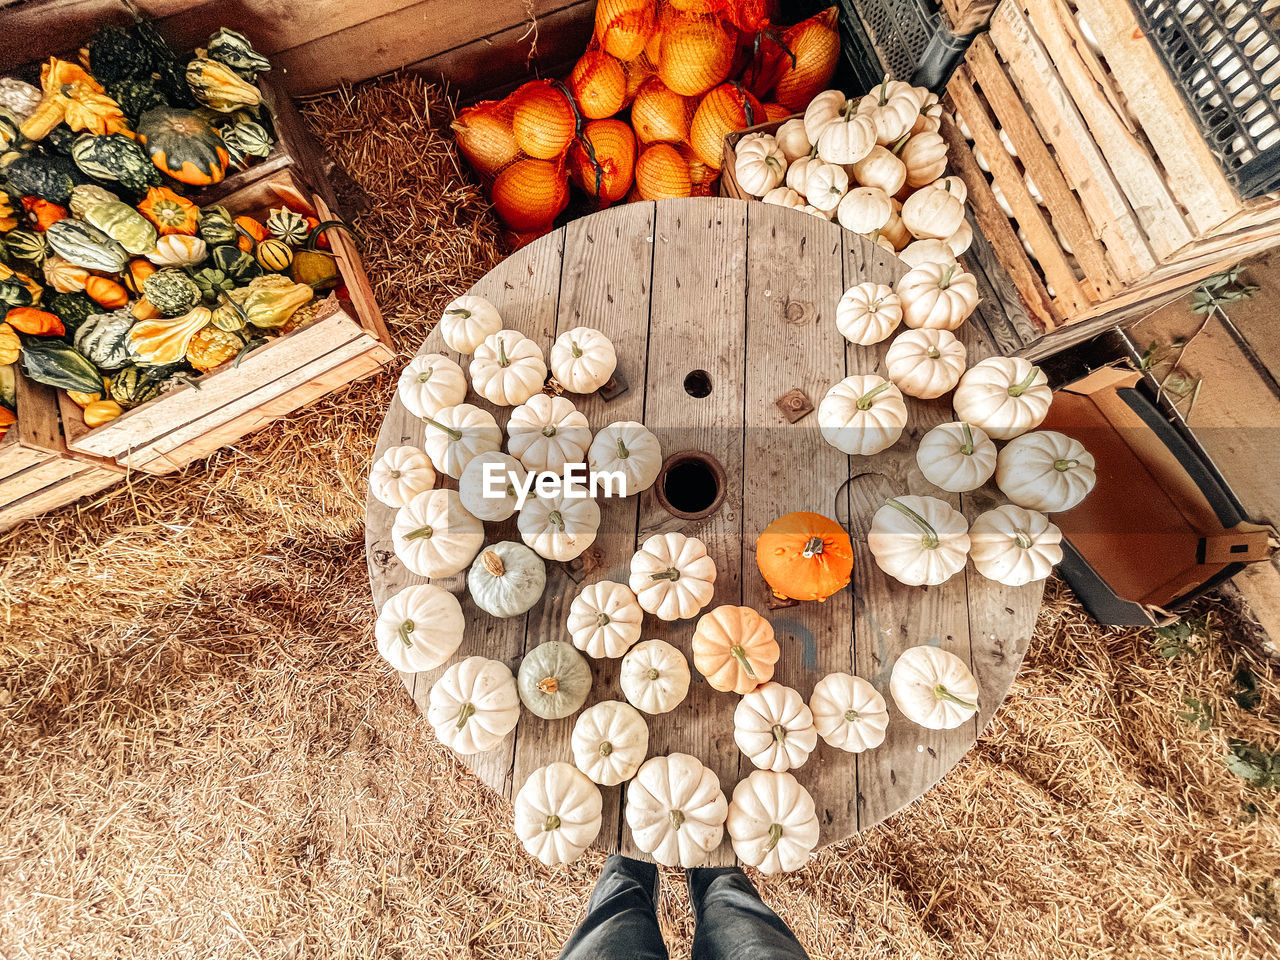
{"x": 84, "y": 483}
{"x": 1000, "y": 306}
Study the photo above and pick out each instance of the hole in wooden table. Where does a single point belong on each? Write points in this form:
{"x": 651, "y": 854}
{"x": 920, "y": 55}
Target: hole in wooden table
{"x": 691, "y": 484}
{"x": 698, "y": 384}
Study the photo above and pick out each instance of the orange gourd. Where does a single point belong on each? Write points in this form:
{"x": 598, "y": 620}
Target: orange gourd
{"x": 42, "y": 214}
{"x": 136, "y": 274}
{"x": 171, "y": 213}
{"x": 624, "y": 26}
{"x": 484, "y": 135}
{"x": 602, "y": 162}
{"x": 660, "y": 115}
{"x": 7, "y": 419}
{"x": 542, "y": 119}
{"x": 661, "y": 173}
{"x": 599, "y": 85}
{"x": 726, "y": 108}
{"x": 36, "y": 323}
{"x": 144, "y": 309}
{"x": 106, "y": 293}
{"x": 816, "y": 47}
{"x": 250, "y": 233}
{"x": 805, "y": 556}
{"x": 696, "y": 54}
{"x": 530, "y": 194}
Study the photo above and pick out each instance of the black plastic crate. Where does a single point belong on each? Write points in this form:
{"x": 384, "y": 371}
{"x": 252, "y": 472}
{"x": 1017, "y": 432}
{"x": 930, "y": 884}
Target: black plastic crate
{"x": 906, "y": 39}
{"x": 1223, "y": 57}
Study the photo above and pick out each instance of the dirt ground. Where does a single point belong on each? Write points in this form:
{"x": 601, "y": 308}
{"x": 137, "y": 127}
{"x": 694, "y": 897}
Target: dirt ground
{"x": 202, "y": 755}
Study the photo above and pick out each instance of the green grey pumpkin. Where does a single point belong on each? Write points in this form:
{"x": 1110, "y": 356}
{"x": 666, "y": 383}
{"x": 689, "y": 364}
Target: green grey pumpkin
{"x": 234, "y": 49}
{"x": 115, "y": 157}
{"x": 248, "y": 138}
{"x": 86, "y": 246}
{"x": 507, "y": 579}
{"x": 235, "y": 263}
{"x": 171, "y": 291}
{"x": 101, "y": 338}
{"x": 125, "y": 225}
{"x": 14, "y": 293}
{"x": 72, "y": 309}
{"x": 212, "y": 283}
{"x": 48, "y": 176}
{"x": 24, "y": 244}
{"x": 133, "y": 386}
{"x": 554, "y": 680}
{"x": 216, "y": 226}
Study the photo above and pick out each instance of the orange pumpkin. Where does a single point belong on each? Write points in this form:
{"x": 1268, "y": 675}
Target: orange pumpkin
{"x": 530, "y": 194}
{"x": 624, "y": 26}
{"x": 661, "y": 173}
{"x": 484, "y": 135}
{"x": 773, "y": 112}
{"x": 250, "y": 233}
{"x": 815, "y": 45}
{"x": 7, "y": 419}
{"x": 726, "y": 108}
{"x": 602, "y": 162}
{"x": 660, "y": 115}
{"x": 542, "y": 119}
{"x": 805, "y": 556}
{"x": 36, "y": 323}
{"x": 599, "y": 85}
{"x": 696, "y": 54}
{"x": 700, "y": 6}
{"x": 171, "y": 213}
{"x": 106, "y": 293}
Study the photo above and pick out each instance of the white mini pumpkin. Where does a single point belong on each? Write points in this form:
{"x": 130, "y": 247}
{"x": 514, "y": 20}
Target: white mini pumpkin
{"x": 848, "y": 712}
{"x": 822, "y": 110}
{"x": 558, "y": 813}
{"x": 419, "y": 628}
{"x": 654, "y": 676}
{"x": 864, "y": 209}
{"x": 507, "y": 368}
{"x": 504, "y": 489}
{"x": 798, "y": 173}
{"x": 672, "y": 576}
{"x": 400, "y": 474}
{"x": 792, "y": 139}
{"x": 772, "y": 822}
{"x": 507, "y": 579}
{"x": 925, "y": 363}
{"x": 825, "y": 185}
{"x": 932, "y": 212}
{"x": 920, "y": 252}
{"x": 583, "y": 360}
{"x": 178, "y": 250}
{"x": 1005, "y": 396}
{"x": 609, "y": 742}
{"x": 629, "y": 448}
{"x": 1046, "y": 471}
{"x": 847, "y": 138}
{"x": 773, "y": 727}
{"x": 961, "y": 240}
{"x": 784, "y": 197}
{"x": 676, "y": 810}
{"x": 1014, "y": 546}
{"x": 560, "y": 527}
{"x": 604, "y": 619}
{"x": 862, "y": 415}
{"x": 893, "y": 107}
{"x": 934, "y": 688}
{"x": 880, "y": 169}
{"x": 545, "y": 433}
{"x": 925, "y": 157}
{"x": 759, "y": 163}
{"x": 430, "y": 383}
{"x": 956, "y": 457}
{"x": 474, "y": 705}
{"x": 937, "y": 297}
{"x": 455, "y": 435}
{"x": 919, "y": 540}
{"x": 434, "y": 535}
{"x": 895, "y": 231}
{"x": 467, "y": 321}
{"x": 868, "y": 312}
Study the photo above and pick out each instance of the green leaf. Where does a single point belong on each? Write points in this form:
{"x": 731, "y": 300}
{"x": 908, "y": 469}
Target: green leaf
{"x": 1247, "y": 696}
{"x": 1198, "y": 714}
{"x": 1250, "y": 762}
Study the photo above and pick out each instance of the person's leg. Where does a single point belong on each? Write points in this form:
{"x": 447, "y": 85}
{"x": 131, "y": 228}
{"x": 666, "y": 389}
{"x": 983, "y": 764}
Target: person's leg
{"x": 622, "y": 915}
{"x": 733, "y": 922}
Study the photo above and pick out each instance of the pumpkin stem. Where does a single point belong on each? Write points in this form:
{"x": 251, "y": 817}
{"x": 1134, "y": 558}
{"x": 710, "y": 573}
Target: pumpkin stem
{"x": 930, "y": 539}
{"x": 942, "y": 693}
{"x": 425, "y": 375}
{"x": 779, "y": 733}
{"x": 422, "y": 533}
{"x": 1018, "y": 389}
{"x": 677, "y": 818}
{"x": 603, "y": 619}
{"x": 671, "y": 573}
{"x": 1022, "y": 539}
{"x": 813, "y": 548}
{"x": 945, "y": 280}
{"x": 882, "y": 92}
{"x": 653, "y": 673}
{"x": 405, "y": 631}
{"x": 502, "y": 354}
{"x": 493, "y": 563}
{"x": 606, "y": 748}
{"x": 553, "y": 823}
{"x": 461, "y": 312}
{"x": 1062, "y": 466}
{"x": 575, "y": 349}
{"x": 864, "y": 401}
{"x": 555, "y": 518}
{"x": 740, "y": 655}
{"x": 623, "y": 452}
{"x": 775, "y": 834}
{"x": 395, "y": 474}
{"x": 466, "y": 713}
{"x": 454, "y": 434}
{"x": 548, "y": 685}
{"x": 549, "y": 430}
{"x": 852, "y": 715}
{"x": 902, "y": 142}
{"x": 967, "y": 447}
{"x": 849, "y": 111}
{"x": 932, "y": 353}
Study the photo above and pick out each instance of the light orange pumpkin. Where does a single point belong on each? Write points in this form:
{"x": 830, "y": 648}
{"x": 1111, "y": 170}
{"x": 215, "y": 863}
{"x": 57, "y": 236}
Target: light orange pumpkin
{"x": 696, "y": 54}
{"x": 599, "y": 85}
{"x": 602, "y": 161}
{"x": 623, "y": 26}
{"x": 662, "y": 173}
{"x": 805, "y": 556}
{"x": 660, "y": 115}
{"x": 727, "y": 108}
{"x": 542, "y": 119}
{"x": 106, "y": 293}
{"x": 734, "y": 648}
{"x": 529, "y": 194}
{"x": 484, "y": 135}
{"x": 816, "y": 46}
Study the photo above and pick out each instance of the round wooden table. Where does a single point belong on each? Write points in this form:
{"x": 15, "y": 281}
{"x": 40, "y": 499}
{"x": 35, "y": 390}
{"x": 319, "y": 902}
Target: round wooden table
{"x": 722, "y": 313}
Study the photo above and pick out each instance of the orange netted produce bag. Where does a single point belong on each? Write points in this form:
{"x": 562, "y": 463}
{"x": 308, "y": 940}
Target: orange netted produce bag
{"x": 815, "y": 44}
{"x": 749, "y": 16}
{"x": 598, "y": 84}
{"x": 702, "y": 179}
{"x": 695, "y": 54}
{"x": 662, "y": 173}
{"x": 638, "y": 71}
{"x": 485, "y": 136}
{"x": 624, "y": 26}
{"x": 531, "y": 193}
{"x": 727, "y": 108}
{"x": 659, "y": 114}
{"x": 602, "y": 161}
{"x": 542, "y": 119}
{"x": 775, "y": 111}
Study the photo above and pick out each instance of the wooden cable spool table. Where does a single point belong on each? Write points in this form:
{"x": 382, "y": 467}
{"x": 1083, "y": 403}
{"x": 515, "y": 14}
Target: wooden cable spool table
{"x": 720, "y": 309}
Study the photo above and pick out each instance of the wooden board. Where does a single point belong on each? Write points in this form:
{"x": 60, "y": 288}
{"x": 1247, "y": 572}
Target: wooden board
{"x": 745, "y": 293}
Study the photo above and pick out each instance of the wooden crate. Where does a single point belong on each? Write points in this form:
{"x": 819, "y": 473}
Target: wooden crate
{"x": 1085, "y": 170}
{"x": 729, "y": 186}
{"x": 347, "y": 341}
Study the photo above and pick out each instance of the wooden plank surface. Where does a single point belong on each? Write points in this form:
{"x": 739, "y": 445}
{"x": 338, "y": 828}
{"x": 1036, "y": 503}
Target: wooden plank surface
{"x": 84, "y": 483}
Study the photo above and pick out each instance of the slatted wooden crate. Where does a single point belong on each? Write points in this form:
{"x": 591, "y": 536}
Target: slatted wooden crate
{"x": 1085, "y": 170}
{"x": 347, "y": 341}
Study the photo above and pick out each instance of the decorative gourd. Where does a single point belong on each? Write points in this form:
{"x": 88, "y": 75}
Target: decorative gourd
{"x": 759, "y": 163}
{"x": 868, "y": 313}
{"x": 864, "y": 209}
{"x": 672, "y": 576}
{"x": 961, "y": 240}
{"x": 498, "y": 502}
{"x": 249, "y": 232}
{"x": 562, "y": 526}
{"x": 400, "y": 474}
{"x": 40, "y": 177}
{"x": 474, "y": 705}
{"x": 846, "y": 137}
{"x": 734, "y": 648}
{"x": 457, "y": 434}
{"x": 507, "y": 579}
{"x": 676, "y": 810}
{"x": 434, "y": 535}
{"x": 1046, "y": 471}
{"x": 430, "y": 382}
{"x": 773, "y": 727}
{"x": 895, "y": 231}
{"x": 61, "y": 274}
{"x": 629, "y": 448}
{"x": 862, "y": 415}
{"x": 125, "y": 225}
{"x": 23, "y": 244}
{"x": 216, "y": 226}
{"x": 892, "y": 106}
{"x": 467, "y": 322}
{"x": 11, "y": 348}
{"x": 932, "y": 212}
{"x": 178, "y": 250}
{"x": 848, "y": 712}
{"x": 288, "y": 226}
{"x": 583, "y": 360}
{"x": 919, "y": 540}
{"x": 56, "y": 364}
{"x": 609, "y": 742}
{"x": 507, "y": 368}
{"x": 1005, "y": 396}
{"x": 72, "y": 97}
{"x": 172, "y": 291}
{"x": 214, "y": 284}
{"x": 103, "y": 339}
{"x": 604, "y": 619}
{"x": 165, "y": 339}
{"x": 934, "y": 688}
{"x": 558, "y": 813}
{"x": 772, "y": 822}
{"x": 805, "y": 556}
{"x": 98, "y": 412}
{"x": 235, "y": 263}
{"x": 115, "y": 157}
{"x": 937, "y": 297}
{"x": 73, "y": 308}
{"x": 317, "y": 270}
{"x": 654, "y": 676}
{"x": 132, "y": 387}
{"x": 183, "y": 145}
{"x": 554, "y": 680}
{"x": 86, "y": 246}
{"x": 792, "y": 139}
{"x": 271, "y": 300}
{"x": 19, "y": 97}
{"x": 880, "y": 169}
{"x": 212, "y": 347}
{"x": 545, "y": 433}
{"x": 171, "y": 213}
{"x": 925, "y": 157}
{"x": 273, "y": 254}
{"x": 41, "y": 214}
{"x": 419, "y": 628}
{"x": 956, "y": 457}
{"x": 234, "y": 49}
{"x": 925, "y": 363}
{"x": 1014, "y": 546}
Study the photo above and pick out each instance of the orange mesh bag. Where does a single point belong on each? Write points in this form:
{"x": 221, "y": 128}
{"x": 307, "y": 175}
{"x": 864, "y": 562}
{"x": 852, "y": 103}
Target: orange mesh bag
{"x": 602, "y": 160}
{"x": 530, "y": 193}
{"x": 660, "y": 115}
{"x": 727, "y": 108}
{"x": 662, "y": 173}
{"x": 702, "y": 179}
{"x": 696, "y": 53}
{"x": 638, "y": 71}
{"x": 543, "y": 119}
{"x": 775, "y": 111}
{"x": 623, "y": 27}
{"x": 485, "y": 136}
{"x": 598, "y": 83}
{"x": 815, "y": 45}
{"x": 749, "y": 16}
